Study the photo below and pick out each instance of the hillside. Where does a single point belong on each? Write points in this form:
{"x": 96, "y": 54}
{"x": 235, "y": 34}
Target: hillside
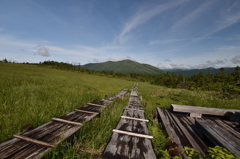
{"x": 196, "y": 71}
{"x": 125, "y": 66}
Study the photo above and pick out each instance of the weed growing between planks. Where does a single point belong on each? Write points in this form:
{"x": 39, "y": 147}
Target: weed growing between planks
{"x": 92, "y": 138}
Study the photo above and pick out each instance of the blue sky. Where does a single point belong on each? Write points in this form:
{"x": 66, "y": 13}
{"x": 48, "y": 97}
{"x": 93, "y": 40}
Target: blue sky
{"x": 164, "y": 33}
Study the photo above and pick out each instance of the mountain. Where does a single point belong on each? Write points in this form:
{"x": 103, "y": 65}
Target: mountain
{"x": 196, "y": 71}
{"x": 125, "y": 66}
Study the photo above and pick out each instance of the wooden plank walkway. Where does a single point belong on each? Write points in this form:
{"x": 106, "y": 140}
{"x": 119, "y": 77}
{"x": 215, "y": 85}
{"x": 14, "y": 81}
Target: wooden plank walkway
{"x": 130, "y": 138}
{"x": 200, "y": 132}
{"x": 35, "y": 143}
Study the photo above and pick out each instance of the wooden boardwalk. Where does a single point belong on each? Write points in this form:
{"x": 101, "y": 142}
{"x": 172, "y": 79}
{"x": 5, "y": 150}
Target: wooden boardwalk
{"x": 130, "y": 138}
{"x": 35, "y": 143}
{"x": 200, "y": 128}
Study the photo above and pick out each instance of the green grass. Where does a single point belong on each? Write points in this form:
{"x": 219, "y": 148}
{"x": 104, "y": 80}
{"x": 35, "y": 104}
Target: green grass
{"x": 34, "y": 95}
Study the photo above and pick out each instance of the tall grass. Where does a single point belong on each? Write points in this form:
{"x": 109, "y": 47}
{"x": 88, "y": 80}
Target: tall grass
{"x": 34, "y": 95}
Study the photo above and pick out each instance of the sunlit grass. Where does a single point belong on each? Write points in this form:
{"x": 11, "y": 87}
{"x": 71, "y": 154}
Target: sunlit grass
{"x": 34, "y": 95}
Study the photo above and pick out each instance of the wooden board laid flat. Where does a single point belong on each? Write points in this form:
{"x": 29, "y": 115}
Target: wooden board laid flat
{"x": 181, "y": 130}
{"x": 35, "y": 143}
{"x": 130, "y": 137}
{"x": 204, "y": 110}
{"x": 220, "y": 136}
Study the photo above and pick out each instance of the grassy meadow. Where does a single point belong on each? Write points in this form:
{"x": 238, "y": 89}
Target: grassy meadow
{"x": 32, "y": 94}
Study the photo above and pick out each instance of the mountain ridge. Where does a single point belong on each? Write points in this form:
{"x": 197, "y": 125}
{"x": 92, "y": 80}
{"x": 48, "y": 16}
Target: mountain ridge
{"x": 124, "y": 66}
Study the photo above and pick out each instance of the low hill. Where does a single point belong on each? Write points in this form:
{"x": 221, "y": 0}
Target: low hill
{"x": 125, "y": 66}
{"x": 196, "y": 71}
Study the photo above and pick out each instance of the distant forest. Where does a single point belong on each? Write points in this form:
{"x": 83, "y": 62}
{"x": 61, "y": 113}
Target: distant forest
{"x": 228, "y": 84}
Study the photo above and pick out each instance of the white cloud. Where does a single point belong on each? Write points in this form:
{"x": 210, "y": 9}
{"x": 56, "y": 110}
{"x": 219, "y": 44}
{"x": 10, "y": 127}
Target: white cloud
{"x": 114, "y": 59}
{"x": 42, "y": 51}
{"x": 236, "y": 59}
{"x": 216, "y": 64}
{"x": 142, "y": 17}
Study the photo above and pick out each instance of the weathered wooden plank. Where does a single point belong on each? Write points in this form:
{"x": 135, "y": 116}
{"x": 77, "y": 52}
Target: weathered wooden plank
{"x": 189, "y": 135}
{"x": 171, "y": 128}
{"x": 142, "y": 149}
{"x": 219, "y": 136}
{"x": 33, "y": 140}
{"x": 123, "y": 144}
{"x": 204, "y": 110}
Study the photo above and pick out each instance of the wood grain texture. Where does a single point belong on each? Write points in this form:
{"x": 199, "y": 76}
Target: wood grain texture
{"x": 52, "y": 132}
{"x": 220, "y": 136}
{"x": 126, "y": 145}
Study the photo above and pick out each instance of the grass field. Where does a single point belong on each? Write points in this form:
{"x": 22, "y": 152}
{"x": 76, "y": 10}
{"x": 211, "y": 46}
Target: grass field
{"x": 33, "y": 95}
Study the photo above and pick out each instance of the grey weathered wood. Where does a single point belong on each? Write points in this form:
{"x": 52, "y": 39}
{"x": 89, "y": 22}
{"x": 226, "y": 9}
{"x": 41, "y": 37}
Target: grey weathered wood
{"x": 204, "y": 110}
{"x": 127, "y": 146}
{"x": 219, "y": 136}
{"x": 52, "y": 132}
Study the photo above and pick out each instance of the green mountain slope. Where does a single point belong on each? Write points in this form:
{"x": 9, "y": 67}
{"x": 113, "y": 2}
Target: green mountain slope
{"x": 125, "y": 66}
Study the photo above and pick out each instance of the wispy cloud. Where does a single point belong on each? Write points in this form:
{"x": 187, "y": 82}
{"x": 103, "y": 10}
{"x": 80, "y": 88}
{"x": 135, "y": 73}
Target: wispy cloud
{"x": 178, "y": 40}
{"x": 192, "y": 16}
{"x": 228, "y": 17}
{"x": 142, "y": 17}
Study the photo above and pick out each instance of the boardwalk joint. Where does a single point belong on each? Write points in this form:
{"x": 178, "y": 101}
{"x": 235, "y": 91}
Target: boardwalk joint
{"x": 134, "y": 118}
{"x": 67, "y": 121}
{"x": 33, "y": 140}
{"x": 132, "y": 134}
